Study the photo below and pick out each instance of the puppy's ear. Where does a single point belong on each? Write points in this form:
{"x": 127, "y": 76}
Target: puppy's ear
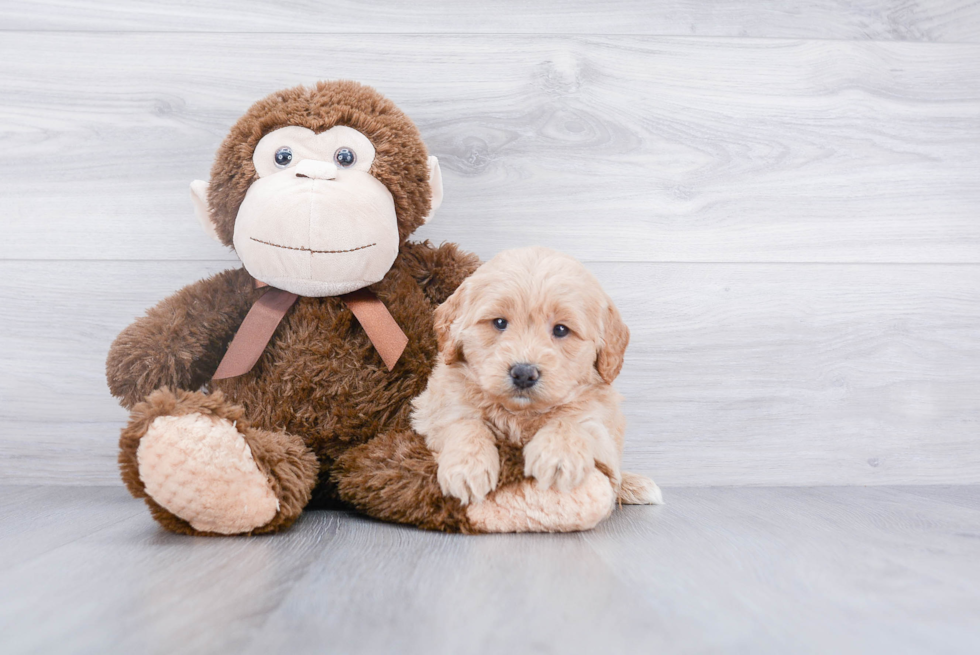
{"x": 612, "y": 345}
{"x": 446, "y": 314}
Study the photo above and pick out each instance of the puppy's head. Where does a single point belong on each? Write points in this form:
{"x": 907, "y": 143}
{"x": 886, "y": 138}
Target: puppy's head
{"x": 532, "y": 328}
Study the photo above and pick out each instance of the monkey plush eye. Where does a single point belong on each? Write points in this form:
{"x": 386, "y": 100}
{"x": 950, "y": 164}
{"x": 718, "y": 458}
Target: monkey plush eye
{"x": 284, "y": 156}
{"x": 345, "y": 157}
{"x": 560, "y": 331}
{"x": 500, "y": 323}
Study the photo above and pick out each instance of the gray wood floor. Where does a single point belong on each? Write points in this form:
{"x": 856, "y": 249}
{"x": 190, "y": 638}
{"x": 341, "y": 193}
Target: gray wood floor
{"x": 735, "y": 570}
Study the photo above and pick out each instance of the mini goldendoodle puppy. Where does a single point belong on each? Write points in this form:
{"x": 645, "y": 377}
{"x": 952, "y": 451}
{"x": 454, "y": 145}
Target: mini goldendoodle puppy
{"x": 529, "y": 347}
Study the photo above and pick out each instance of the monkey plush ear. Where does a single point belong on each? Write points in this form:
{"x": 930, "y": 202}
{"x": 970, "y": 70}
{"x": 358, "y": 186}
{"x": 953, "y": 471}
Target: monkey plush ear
{"x": 199, "y": 196}
{"x": 435, "y": 183}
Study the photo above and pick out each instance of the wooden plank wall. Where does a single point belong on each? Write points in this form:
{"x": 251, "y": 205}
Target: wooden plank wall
{"x": 783, "y": 198}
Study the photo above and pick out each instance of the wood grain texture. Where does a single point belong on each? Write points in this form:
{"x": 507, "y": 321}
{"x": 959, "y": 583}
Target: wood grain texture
{"x": 915, "y": 20}
{"x": 610, "y": 148}
{"x": 783, "y": 199}
{"x": 752, "y": 374}
{"x": 805, "y": 570}
{"x": 37, "y": 520}
{"x": 127, "y": 587}
{"x": 767, "y": 570}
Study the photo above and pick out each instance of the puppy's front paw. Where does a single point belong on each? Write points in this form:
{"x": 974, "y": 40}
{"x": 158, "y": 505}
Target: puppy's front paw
{"x": 469, "y": 472}
{"x": 559, "y": 460}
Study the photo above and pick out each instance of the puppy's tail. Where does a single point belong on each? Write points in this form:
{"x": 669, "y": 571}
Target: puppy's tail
{"x": 639, "y": 490}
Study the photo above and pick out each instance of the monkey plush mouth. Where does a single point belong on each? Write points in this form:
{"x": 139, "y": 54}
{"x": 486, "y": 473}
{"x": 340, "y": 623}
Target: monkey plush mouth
{"x": 315, "y": 252}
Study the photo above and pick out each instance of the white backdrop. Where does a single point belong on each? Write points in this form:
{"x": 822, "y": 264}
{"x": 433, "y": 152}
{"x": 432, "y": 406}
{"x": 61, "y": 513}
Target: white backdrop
{"x": 785, "y": 204}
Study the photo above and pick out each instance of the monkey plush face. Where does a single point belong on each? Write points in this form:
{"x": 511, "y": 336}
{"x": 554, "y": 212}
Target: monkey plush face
{"x": 335, "y": 178}
{"x": 316, "y": 222}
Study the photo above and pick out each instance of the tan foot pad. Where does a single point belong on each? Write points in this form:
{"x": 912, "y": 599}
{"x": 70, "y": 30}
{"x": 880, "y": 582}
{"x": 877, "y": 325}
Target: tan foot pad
{"x": 528, "y": 508}
{"x": 200, "y": 469}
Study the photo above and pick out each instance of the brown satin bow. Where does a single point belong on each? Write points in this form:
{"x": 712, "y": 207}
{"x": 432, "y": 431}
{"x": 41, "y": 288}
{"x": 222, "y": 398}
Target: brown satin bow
{"x": 268, "y": 311}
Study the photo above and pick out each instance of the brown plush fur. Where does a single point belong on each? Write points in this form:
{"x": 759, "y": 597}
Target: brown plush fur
{"x": 321, "y": 378}
{"x": 393, "y": 478}
{"x": 320, "y": 388}
{"x": 180, "y": 341}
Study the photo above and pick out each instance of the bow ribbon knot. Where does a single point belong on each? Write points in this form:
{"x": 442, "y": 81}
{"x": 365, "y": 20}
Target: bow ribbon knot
{"x": 268, "y": 311}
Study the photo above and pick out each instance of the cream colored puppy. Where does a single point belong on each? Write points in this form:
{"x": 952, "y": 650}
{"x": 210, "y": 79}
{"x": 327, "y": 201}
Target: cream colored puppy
{"x": 529, "y": 347}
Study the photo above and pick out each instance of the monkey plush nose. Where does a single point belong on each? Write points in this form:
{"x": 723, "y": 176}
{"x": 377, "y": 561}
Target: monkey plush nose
{"x": 317, "y": 170}
{"x": 524, "y": 376}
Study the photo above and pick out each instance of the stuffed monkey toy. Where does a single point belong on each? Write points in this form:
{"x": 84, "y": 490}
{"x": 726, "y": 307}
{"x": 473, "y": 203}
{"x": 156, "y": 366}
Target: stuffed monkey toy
{"x": 263, "y": 389}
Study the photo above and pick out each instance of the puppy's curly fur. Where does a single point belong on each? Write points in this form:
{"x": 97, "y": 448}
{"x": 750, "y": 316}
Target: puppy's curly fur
{"x": 529, "y": 347}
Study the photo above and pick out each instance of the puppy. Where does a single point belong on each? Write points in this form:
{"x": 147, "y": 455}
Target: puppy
{"x": 529, "y": 347}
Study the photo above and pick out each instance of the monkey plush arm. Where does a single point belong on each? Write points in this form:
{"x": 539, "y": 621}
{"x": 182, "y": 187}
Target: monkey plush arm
{"x": 439, "y": 270}
{"x": 179, "y": 342}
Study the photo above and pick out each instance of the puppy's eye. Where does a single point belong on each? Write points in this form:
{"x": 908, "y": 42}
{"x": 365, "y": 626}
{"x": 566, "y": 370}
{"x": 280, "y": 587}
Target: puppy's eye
{"x": 345, "y": 157}
{"x": 560, "y": 331}
{"x": 500, "y": 323}
{"x": 284, "y": 156}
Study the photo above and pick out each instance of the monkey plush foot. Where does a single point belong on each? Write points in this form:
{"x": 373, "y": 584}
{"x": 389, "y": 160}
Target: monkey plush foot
{"x": 526, "y": 507}
{"x": 203, "y": 470}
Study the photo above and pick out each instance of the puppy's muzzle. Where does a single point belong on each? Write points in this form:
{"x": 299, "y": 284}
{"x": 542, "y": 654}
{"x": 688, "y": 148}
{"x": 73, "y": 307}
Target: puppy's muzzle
{"x": 524, "y": 376}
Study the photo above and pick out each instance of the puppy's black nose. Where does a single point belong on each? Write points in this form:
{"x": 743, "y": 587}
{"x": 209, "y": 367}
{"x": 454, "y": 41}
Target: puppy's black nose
{"x": 524, "y": 376}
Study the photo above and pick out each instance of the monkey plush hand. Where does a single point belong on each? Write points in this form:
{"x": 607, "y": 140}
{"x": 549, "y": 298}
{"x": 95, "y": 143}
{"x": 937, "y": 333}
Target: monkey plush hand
{"x": 324, "y": 336}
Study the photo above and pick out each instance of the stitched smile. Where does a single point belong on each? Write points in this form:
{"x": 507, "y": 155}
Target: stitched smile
{"x": 315, "y": 252}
